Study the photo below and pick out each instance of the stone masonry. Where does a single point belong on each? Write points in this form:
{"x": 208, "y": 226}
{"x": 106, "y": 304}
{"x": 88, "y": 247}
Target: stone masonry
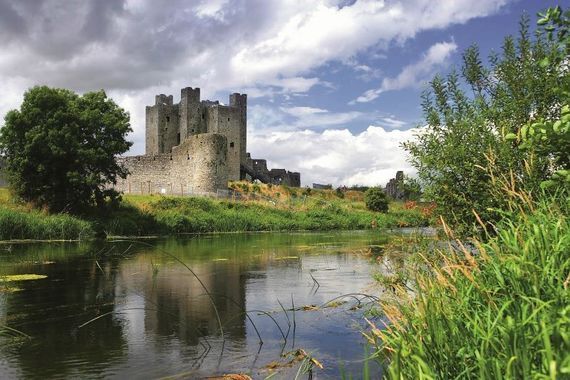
{"x": 394, "y": 186}
{"x": 196, "y": 146}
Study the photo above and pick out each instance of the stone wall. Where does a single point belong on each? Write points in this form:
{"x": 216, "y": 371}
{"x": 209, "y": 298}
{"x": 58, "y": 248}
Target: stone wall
{"x": 239, "y": 101}
{"x": 226, "y": 121}
{"x": 394, "y": 186}
{"x": 198, "y": 165}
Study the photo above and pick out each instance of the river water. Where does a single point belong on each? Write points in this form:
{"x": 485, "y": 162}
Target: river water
{"x": 145, "y": 309}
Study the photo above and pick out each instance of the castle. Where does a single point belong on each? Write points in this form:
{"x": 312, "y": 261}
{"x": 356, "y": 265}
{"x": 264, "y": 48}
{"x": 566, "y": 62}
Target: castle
{"x": 196, "y": 146}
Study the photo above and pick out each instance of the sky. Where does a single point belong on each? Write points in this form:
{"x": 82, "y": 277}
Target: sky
{"x": 333, "y": 85}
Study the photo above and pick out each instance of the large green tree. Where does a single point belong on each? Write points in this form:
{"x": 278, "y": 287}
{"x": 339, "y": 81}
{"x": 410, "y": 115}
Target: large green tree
{"x": 60, "y": 148}
{"x": 468, "y": 151}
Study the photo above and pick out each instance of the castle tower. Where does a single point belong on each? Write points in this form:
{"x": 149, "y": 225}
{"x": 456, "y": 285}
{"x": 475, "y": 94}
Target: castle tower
{"x": 240, "y": 101}
{"x": 191, "y": 113}
{"x": 162, "y": 129}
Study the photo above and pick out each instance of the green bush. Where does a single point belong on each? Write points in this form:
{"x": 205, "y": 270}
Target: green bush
{"x": 478, "y": 119}
{"x": 376, "y": 200}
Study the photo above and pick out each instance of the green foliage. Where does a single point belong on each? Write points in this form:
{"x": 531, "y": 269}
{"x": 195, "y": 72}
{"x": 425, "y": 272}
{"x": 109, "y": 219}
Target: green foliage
{"x": 60, "y": 148}
{"x": 551, "y": 137}
{"x": 467, "y": 147}
{"x": 500, "y": 313}
{"x": 16, "y": 225}
{"x": 410, "y": 188}
{"x": 376, "y": 200}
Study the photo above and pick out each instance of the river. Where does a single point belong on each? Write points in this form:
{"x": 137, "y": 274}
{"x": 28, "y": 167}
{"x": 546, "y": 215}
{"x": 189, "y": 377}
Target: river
{"x": 145, "y": 309}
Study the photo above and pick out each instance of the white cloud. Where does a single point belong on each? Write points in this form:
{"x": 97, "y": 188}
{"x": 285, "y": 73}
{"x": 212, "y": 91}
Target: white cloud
{"x": 311, "y": 33}
{"x": 392, "y": 123}
{"x": 211, "y": 8}
{"x": 414, "y": 74}
{"x": 135, "y": 49}
{"x": 309, "y": 117}
{"x": 335, "y": 156}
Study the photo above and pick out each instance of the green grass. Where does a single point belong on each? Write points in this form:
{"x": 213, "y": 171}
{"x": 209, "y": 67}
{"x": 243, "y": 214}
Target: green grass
{"x": 199, "y": 215}
{"x": 502, "y": 313}
{"x": 143, "y": 215}
{"x": 18, "y": 224}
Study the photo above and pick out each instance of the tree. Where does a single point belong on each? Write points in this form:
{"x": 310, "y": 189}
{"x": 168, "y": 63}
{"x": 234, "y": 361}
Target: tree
{"x": 376, "y": 200}
{"x": 60, "y": 148}
{"x": 467, "y": 146}
{"x": 410, "y": 189}
{"x": 551, "y": 137}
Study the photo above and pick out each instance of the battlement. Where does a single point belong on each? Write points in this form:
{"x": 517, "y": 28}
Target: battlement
{"x": 163, "y": 99}
{"x": 238, "y": 100}
{"x": 190, "y": 94}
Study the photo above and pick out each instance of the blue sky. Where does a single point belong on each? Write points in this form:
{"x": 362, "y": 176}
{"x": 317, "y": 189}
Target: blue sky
{"x": 334, "y": 85}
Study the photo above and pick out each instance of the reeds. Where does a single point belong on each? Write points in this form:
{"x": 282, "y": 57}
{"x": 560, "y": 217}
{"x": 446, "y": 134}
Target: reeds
{"x": 16, "y": 224}
{"x": 500, "y": 309}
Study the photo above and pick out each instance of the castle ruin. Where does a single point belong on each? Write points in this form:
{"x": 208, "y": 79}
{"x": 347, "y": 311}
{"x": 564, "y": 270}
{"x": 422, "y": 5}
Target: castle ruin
{"x": 196, "y": 146}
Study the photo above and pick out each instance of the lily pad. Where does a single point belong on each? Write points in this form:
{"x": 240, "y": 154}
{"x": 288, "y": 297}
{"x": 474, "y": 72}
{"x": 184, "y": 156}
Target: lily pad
{"x": 22, "y": 277}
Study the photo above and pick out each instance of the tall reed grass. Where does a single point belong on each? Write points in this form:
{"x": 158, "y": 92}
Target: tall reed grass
{"x": 17, "y": 224}
{"x": 497, "y": 309}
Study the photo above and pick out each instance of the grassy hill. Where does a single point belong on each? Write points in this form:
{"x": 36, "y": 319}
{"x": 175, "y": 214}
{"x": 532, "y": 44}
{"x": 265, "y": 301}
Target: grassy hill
{"x": 252, "y": 207}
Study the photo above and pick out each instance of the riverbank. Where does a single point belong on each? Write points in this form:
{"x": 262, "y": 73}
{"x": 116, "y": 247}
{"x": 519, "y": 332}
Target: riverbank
{"x": 496, "y": 308}
{"x": 259, "y": 208}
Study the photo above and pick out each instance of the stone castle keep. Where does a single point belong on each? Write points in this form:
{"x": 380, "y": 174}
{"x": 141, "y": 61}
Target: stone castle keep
{"x": 196, "y": 146}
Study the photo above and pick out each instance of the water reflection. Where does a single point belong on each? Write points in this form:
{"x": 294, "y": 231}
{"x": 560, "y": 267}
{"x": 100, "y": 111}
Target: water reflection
{"x": 151, "y": 317}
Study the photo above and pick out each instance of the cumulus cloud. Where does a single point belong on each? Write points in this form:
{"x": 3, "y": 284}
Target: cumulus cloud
{"x": 336, "y": 156}
{"x": 224, "y": 44}
{"x": 137, "y": 48}
{"x": 309, "y": 117}
{"x": 414, "y": 74}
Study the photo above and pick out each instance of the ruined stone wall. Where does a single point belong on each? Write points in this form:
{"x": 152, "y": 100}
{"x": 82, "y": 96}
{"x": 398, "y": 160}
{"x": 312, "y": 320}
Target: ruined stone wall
{"x": 207, "y": 163}
{"x": 285, "y": 177}
{"x": 162, "y": 127}
{"x": 148, "y": 174}
{"x": 394, "y": 187}
{"x": 239, "y": 101}
{"x": 198, "y": 165}
{"x": 192, "y": 115}
{"x": 226, "y": 121}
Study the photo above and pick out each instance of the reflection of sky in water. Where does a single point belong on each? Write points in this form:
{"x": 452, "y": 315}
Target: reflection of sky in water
{"x": 159, "y": 320}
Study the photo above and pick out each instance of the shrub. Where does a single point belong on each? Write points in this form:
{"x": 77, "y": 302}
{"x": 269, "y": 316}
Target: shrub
{"x": 339, "y": 193}
{"x": 376, "y": 200}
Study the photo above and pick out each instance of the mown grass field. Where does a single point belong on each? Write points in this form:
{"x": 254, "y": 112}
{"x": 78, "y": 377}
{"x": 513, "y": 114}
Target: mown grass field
{"x": 259, "y": 208}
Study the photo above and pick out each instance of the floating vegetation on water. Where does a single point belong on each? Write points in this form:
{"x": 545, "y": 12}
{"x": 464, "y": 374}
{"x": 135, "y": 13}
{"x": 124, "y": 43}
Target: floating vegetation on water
{"x": 231, "y": 376}
{"x": 22, "y": 277}
{"x": 308, "y": 362}
{"x": 9, "y": 289}
{"x": 309, "y": 308}
{"x": 334, "y": 304}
